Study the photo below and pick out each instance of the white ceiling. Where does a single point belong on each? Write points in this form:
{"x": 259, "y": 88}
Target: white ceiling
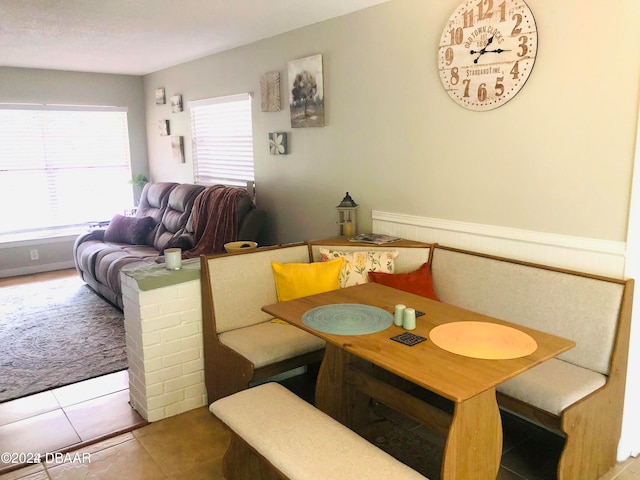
{"x": 142, "y": 36}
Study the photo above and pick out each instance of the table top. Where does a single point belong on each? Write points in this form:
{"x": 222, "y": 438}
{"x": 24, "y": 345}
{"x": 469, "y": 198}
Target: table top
{"x": 450, "y": 375}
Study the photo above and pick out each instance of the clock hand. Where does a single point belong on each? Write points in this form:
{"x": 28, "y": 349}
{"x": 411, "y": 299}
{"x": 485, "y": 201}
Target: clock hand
{"x": 483, "y": 51}
{"x": 497, "y": 50}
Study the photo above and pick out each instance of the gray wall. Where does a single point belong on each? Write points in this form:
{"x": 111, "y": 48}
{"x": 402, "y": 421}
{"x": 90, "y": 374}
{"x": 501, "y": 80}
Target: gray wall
{"x": 19, "y": 85}
{"x": 557, "y": 158}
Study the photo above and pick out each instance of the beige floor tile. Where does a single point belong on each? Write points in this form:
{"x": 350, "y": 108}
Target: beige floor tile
{"x": 634, "y": 465}
{"x": 92, "y": 388}
{"x": 127, "y": 460}
{"x": 103, "y": 415}
{"x": 187, "y": 445}
{"x": 48, "y": 432}
{"x": 26, "y": 407}
{"x": 32, "y": 472}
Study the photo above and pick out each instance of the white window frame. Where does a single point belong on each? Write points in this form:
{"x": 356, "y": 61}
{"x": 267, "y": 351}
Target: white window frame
{"x": 222, "y": 140}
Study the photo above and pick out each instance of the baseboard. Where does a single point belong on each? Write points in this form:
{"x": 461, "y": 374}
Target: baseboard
{"x": 30, "y": 270}
{"x": 596, "y": 256}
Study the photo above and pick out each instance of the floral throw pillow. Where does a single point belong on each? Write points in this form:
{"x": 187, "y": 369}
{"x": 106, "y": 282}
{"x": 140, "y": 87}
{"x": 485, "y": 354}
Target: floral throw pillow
{"x": 357, "y": 265}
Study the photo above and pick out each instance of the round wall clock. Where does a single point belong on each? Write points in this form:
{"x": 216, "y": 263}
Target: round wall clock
{"x": 487, "y": 51}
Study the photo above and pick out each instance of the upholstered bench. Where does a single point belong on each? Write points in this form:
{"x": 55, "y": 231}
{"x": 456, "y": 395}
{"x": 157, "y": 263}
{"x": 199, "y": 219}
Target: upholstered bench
{"x": 276, "y": 434}
{"x": 580, "y": 393}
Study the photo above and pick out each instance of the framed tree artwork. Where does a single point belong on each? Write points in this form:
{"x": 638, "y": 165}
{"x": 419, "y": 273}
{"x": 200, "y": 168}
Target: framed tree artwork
{"x": 306, "y": 92}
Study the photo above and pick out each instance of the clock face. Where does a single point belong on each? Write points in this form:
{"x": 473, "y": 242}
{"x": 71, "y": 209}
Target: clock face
{"x": 487, "y": 51}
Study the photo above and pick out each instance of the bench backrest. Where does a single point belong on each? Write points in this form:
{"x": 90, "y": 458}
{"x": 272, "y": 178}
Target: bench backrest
{"x": 249, "y": 273}
{"x": 577, "y": 306}
{"x": 408, "y": 259}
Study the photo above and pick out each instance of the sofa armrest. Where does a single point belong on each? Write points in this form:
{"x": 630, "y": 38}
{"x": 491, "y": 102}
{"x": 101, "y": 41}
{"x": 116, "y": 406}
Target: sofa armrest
{"x": 184, "y": 241}
{"x": 95, "y": 234}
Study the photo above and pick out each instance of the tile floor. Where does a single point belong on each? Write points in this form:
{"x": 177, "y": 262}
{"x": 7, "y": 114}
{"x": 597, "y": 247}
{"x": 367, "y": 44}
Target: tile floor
{"x": 191, "y": 445}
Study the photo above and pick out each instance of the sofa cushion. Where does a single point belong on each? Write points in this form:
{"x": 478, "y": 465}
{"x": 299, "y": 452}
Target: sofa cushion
{"x": 553, "y": 385}
{"x": 295, "y": 280}
{"x": 419, "y": 281}
{"x": 175, "y": 217}
{"x": 131, "y": 230}
{"x": 358, "y": 264}
{"x": 268, "y": 343}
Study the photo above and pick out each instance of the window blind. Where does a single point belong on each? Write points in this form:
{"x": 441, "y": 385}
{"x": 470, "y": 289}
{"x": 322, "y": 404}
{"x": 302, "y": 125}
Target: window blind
{"x": 222, "y": 139}
{"x": 62, "y": 166}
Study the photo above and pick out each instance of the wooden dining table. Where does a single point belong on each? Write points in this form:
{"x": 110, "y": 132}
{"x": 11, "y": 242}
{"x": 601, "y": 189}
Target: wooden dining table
{"x": 357, "y": 368}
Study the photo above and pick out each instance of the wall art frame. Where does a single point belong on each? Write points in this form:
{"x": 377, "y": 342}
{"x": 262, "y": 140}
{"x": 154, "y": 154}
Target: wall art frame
{"x": 306, "y": 92}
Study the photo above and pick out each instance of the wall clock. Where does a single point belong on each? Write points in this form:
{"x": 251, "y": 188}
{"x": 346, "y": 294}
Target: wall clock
{"x": 487, "y": 51}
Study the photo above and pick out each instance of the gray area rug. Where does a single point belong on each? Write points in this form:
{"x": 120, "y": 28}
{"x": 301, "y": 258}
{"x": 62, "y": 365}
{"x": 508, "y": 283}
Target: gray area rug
{"x": 55, "y": 333}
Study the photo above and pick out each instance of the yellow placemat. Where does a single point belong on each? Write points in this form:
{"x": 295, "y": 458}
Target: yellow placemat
{"x": 483, "y": 340}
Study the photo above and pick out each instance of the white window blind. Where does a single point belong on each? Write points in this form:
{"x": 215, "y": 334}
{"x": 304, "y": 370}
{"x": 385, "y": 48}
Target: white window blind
{"x": 62, "y": 166}
{"x": 222, "y": 139}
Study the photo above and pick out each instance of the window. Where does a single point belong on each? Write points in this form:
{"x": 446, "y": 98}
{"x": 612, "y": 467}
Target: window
{"x": 62, "y": 166}
{"x": 222, "y": 139}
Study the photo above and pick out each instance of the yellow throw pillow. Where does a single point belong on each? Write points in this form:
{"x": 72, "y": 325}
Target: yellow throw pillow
{"x": 295, "y": 280}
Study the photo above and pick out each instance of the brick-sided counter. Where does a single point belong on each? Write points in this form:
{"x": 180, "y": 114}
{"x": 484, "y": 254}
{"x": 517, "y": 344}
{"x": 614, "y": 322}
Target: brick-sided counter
{"x": 163, "y": 325}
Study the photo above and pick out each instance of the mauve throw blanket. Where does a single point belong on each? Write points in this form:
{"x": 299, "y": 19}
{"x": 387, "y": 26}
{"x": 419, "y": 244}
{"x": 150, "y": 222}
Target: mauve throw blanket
{"x": 215, "y": 220}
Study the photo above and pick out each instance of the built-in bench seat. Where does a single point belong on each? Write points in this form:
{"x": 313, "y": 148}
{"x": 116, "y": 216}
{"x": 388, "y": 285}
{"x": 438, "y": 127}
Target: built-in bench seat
{"x": 580, "y": 393}
{"x": 277, "y": 435}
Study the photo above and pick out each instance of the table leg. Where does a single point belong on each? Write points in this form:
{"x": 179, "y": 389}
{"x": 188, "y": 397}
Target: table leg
{"x": 474, "y": 443}
{"x": 333, "y": 394}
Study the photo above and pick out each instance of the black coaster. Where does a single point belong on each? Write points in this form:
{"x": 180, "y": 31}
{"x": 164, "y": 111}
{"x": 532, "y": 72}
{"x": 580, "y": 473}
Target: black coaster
{"x": 408, "y": 339}
{"x": 419, "y": 313}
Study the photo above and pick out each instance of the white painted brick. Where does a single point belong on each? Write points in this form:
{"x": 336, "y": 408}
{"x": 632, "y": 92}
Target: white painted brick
{"x": 155, "y": 415}
{"x": 177, "y": 333}
{"x": 180, "y": 358}
{"x": 159, "y": 323}
{"x": 152, "y": 365}
{"x": 162, "y": 349}
{"x": 155, "y": 390}
{"x": 193, "y": 366}
{"x": 183, "y": 382}
{"x": 150, "y": 310}
{"x": 189, "y": 289}
{"x": 165, "y": 399}
{"x": 195, "y": 390}
{"x": 162, "y": 375}
{"x": 178, "y": 305}
{"x": 194, "y": 341}
{"x": 151, "y": 338}
{"x": 159, "y": 295}
{"x": 192, "y": 316}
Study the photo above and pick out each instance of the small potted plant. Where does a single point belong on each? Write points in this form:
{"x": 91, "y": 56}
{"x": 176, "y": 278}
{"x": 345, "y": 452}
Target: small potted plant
{"x": 139, "y": 181}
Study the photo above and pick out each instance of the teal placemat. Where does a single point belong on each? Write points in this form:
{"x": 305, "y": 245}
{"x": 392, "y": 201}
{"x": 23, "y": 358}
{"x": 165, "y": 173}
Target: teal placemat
{"x": 348, "y": 319}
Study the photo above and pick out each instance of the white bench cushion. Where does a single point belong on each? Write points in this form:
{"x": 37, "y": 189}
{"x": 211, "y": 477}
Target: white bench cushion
{"x": 303, "y": 442}
{"x": 553, "y": 385}
{"x": 269, "y": 342}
